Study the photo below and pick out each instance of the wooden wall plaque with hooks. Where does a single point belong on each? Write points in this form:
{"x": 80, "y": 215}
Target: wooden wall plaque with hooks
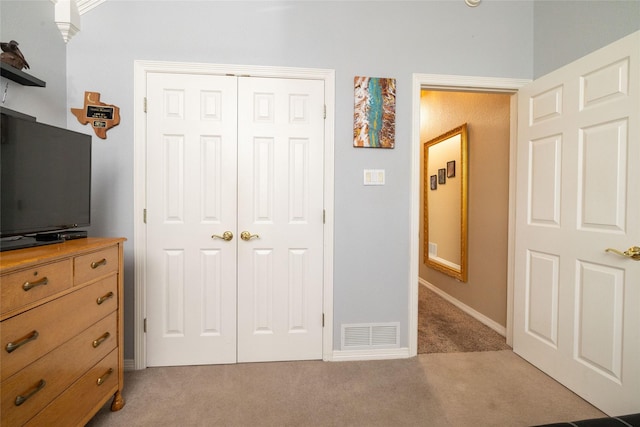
{"x": 99, "y": 115}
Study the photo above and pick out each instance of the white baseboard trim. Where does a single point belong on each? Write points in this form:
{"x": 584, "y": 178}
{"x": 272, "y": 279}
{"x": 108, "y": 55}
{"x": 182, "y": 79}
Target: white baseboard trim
{"x": 337, "y": 356}
{"x": 470, "y": 311}
{"x": 375, "y": 354}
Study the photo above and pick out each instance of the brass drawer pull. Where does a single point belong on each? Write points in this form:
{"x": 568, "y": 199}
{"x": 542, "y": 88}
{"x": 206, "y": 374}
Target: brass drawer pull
{"x": 97, "y": 264}
{"x": 30, "y": 285}
{"x": 104, "y": 298}
{"x": 103, "y": 378}
{"x": 21, "y": 399}
{"x": 12, "y": 346}
{"x": 100, "y": 340}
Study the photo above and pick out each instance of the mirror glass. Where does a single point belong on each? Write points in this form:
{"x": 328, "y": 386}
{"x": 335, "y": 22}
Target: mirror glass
{"x": 445, "y": 203}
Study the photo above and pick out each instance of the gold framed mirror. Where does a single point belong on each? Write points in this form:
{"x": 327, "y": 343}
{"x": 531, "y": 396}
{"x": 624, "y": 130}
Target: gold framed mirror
{"x": 445, "y": 202}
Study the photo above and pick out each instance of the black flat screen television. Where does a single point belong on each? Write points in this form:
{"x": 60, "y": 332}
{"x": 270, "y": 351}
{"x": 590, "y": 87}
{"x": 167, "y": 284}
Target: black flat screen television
{"x": 45, "y": 181}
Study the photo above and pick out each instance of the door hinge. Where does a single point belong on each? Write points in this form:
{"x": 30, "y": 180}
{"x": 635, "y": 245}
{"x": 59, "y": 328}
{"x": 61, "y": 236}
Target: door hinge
{"x": 144, "y": 325}
{"x": 144, "y": 215}
{"x": 324, "y": 216}
{"x": 325, "y": 111}
{"x": 145, "y": 104}
{"x": 323, "y": 320}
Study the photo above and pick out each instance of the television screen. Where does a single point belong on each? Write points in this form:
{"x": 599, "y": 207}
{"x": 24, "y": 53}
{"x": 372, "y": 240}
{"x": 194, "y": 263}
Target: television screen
{"x": 45, "y": 178}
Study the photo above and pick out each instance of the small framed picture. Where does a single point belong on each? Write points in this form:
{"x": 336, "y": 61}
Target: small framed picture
{"x": 442, "y": 176}
{"x": 451, "y": 169}
{"x": 434, "y": 182}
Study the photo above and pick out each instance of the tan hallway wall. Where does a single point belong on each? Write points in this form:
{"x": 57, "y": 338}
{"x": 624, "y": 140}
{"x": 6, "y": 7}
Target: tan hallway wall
{"x": 487, "y": 116}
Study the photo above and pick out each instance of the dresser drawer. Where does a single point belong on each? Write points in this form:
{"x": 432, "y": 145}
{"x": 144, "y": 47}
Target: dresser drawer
{"x": 27, "y": 286}
{"x": 76, "y": 405}
{"x": 35, "y": 332}
{"x": 96, "y": 264}
{"x": 46, "y": 378}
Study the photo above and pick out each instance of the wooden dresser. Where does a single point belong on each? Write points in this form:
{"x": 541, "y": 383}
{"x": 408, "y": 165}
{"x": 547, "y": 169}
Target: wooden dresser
{"x": 61, "y": 332}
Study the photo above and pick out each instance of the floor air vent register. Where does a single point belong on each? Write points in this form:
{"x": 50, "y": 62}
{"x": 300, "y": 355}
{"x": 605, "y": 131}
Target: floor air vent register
{"x": 370, "y": 336}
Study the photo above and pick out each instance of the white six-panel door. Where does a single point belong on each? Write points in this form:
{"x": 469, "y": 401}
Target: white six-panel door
{"x": 226, "y": 155}
{"x": 280, "y": 202}
{"x": 191, "y": 195}
{"x": 576, "y": 305}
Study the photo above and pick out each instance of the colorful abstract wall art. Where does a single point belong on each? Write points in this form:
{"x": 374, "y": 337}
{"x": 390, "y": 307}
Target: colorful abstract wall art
{"x": 374, "y": 119}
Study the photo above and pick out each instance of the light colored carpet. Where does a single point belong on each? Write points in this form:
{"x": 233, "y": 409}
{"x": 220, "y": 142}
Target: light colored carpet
{"x": 444, "y": 328}
{"x": 495, "y": 388}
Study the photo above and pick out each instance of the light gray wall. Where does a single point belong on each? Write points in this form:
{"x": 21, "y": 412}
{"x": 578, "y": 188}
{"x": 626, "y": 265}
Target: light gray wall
{"x": 380, "y": 39}
{"x": 31, "y": 24}
{"x": 567, "y": 30}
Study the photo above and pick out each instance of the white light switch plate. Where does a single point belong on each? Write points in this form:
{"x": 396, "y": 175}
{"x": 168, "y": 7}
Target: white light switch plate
{"x": 374, "y": 177}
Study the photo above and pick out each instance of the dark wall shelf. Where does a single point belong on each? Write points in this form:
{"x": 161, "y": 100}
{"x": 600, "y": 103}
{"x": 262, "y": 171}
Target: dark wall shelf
{"x": 19, "y": 76}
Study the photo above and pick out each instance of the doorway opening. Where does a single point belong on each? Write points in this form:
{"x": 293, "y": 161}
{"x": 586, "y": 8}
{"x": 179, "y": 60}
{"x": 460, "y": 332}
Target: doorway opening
{"x": 445, "y": 327}
{"x": 457, "y": 84}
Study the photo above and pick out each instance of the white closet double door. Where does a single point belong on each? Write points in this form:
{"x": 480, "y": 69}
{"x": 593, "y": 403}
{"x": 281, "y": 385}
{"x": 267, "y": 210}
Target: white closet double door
{"x": 228, "y": 157}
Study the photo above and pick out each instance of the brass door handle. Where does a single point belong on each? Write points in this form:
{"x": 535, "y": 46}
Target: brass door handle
{"x": 633, "y": 252}
{"x": 226, "y": 236}
{"x": 246, "y": 236}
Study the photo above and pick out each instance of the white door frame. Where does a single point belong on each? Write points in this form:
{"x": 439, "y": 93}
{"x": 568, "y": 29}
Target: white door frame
{"x": 457, "y": 83}
{"x": 141, "y": 69}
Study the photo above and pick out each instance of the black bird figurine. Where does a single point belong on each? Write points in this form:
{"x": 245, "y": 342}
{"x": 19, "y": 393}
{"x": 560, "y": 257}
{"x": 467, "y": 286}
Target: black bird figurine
{"x": 12, "y": 55}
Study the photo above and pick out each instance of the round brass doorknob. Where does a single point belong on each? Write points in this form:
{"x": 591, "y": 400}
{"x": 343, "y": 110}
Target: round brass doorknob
{"x": 246, "y": 236}
{"x": 226, "y": 236}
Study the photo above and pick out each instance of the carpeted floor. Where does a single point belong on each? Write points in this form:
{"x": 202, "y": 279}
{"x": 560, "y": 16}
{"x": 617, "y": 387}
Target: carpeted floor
{"x": 458, "y": 389}
{"x": 444, "y": 328}
{"x": 490, "y": 388}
